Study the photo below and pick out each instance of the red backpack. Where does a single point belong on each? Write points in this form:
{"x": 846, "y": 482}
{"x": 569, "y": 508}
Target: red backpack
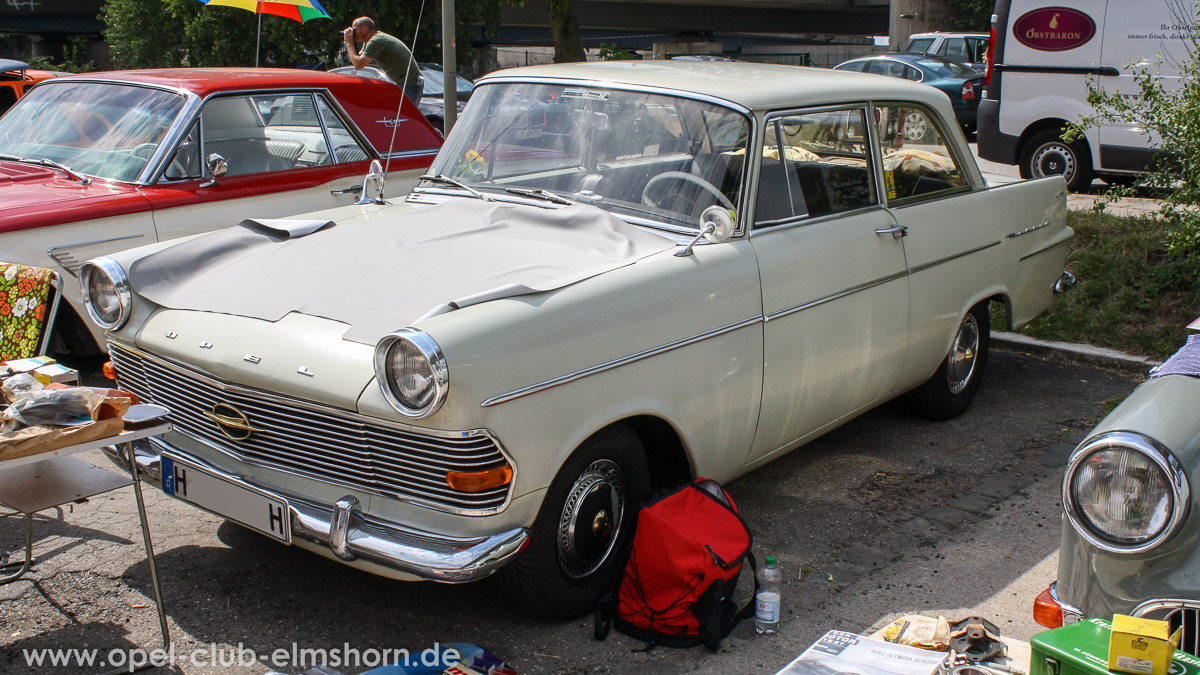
{"x": 678, "y": 585}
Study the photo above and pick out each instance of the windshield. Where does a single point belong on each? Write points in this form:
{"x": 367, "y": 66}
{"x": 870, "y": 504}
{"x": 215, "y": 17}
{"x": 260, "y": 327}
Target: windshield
{"x": 651, "y": 157}
{"x": 103, "y": 130}
{"x": 945, "y": 68}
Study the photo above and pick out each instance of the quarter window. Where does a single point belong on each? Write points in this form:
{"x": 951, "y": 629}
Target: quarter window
{"x": 814, "y": 164}
{"x": 917, "y": 162}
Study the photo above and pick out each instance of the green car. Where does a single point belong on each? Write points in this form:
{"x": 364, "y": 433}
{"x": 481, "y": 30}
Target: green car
{"x": 1130, "y": 539}
{"x": 957, "y": 80}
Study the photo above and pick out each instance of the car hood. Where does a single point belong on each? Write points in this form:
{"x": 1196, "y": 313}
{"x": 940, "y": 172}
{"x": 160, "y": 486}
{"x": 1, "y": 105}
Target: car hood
{"x": 35, "y": 196}
{"x": 385, "y": 270}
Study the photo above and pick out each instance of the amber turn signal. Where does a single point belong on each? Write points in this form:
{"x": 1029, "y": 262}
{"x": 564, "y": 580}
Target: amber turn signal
{"x": 1046, "y": 611}
{"x": 109, "y": 370}
{"x": 478, "y": 481}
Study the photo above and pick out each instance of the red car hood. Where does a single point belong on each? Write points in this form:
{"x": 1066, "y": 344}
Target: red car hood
{"x": 35, "y": 196}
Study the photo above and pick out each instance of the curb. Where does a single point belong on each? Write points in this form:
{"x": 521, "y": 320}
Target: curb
{"x": 1076, "y": 353}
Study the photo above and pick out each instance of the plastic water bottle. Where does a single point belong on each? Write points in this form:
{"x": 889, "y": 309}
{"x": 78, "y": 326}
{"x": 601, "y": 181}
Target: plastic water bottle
{"x": 766, "y": 601}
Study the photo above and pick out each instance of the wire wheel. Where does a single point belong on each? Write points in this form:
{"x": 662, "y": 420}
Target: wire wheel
{"x": 591, "y": 520}
{"x": 960, "y": 364}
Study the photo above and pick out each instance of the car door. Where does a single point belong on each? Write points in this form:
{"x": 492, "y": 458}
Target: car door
{"x": 286, "y": 153}
{"x": 832, "y": 270}
{"x": 932, "y": 198}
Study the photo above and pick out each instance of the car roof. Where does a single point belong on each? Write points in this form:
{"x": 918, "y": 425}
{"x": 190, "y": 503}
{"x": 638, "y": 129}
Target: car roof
{"x": 9, "y": 65}
{"x": 205, "y": 81}
{"x": 757, "y": 86}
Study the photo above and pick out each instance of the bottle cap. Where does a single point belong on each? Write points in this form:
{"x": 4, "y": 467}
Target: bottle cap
{"x": 770, "y": 560}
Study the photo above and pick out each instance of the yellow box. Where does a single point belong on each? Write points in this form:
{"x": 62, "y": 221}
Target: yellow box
{"x": 1141, "y": 646}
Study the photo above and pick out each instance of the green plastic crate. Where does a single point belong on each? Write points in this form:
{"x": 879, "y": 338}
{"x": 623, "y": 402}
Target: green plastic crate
{"x": 1082, "y": 649}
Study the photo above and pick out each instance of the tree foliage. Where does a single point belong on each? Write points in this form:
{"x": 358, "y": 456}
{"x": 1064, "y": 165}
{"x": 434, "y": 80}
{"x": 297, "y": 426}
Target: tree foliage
{"x": 1168, "y": 112}
{"x": 173, "y": 33}
{"x": 973, "y": 15}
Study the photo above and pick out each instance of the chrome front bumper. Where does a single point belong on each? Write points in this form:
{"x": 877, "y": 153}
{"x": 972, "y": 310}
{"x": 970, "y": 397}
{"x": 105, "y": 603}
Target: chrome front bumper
{"x": 350, "y": 535}
{"x": 1064, "y": 283}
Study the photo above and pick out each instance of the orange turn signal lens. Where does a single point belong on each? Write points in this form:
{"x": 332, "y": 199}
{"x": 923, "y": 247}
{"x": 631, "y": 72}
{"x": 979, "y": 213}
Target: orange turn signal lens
{"x": 109, "y": 370}
{"x": 478, "y": 481}
{"x": 1046, "y": 611}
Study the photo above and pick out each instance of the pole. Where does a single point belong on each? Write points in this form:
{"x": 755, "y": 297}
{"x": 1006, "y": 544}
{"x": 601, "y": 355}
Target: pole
{"x": 449, "y": 68}
{"x": 258, "y": 42}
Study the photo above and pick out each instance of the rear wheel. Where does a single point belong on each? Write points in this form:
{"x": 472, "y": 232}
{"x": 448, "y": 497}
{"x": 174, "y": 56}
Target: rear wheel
{"x": 949, "y": 392}
{"x": 1047, "y": 154}
{"x": 582, "y": 532}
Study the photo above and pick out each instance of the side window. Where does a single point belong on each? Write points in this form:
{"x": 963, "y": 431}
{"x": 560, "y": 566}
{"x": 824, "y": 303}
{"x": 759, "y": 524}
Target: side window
{"x": 880, "y": 67}
{"x": 856, "y": 66}
{"x": 294, "y": 133}
{"x": 186, "y": 164}
{"x": 954, "y": 48}
{"x": 346, "y": 148}
{"x": 917, "y": 161}
{"x": 919, "y": 45}
{"x": 814, "y": 164}
{"x": 977, "y": 49}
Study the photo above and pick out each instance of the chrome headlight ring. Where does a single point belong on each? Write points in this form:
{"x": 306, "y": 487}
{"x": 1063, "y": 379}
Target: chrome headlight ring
{"x": 107, "y": 297}
{"x": 1159, "y": 456}
{"x": 412, "y": 372}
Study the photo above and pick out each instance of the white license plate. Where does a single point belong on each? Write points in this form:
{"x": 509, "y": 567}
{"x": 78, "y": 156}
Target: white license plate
{"x": 253, "y": 508}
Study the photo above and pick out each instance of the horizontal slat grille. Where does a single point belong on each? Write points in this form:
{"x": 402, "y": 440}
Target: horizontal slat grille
{"x": 317, "y": 441}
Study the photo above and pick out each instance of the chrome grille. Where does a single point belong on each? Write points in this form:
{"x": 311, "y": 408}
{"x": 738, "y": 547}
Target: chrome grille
{"x": 320, "y": 442}
{"x": 1179, "y": 614}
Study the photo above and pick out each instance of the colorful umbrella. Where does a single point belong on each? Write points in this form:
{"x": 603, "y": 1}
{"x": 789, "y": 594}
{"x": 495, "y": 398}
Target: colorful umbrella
{"x": 296, "y": 10}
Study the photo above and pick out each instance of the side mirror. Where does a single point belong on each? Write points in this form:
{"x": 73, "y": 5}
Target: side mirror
{"x": 217, "y": 167}
{"x": 716, "y": 222}
{"x": 716, "y": 225}
{"x": 373, "y": 183}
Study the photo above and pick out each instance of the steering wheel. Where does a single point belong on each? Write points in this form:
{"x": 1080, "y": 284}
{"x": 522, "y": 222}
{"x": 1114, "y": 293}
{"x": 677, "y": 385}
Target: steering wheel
{"x": 687, "y": 178}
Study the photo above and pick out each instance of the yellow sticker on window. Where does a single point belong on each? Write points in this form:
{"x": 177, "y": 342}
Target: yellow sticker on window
{"x": 890, "y": 180}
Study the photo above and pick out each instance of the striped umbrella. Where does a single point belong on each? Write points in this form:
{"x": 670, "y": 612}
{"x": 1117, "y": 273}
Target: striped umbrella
{"x": 296, "y": 10}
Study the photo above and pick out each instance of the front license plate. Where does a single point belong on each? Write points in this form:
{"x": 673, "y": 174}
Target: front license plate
{"x": 250, "y": 507}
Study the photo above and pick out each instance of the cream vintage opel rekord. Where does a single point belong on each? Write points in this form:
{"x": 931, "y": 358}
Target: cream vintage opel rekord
{"x": 617, "y": 277}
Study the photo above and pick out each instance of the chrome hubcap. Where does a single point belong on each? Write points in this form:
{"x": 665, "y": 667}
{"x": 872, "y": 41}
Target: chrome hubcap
{"x": 915, "y": 126}
{"x": 1054, "y": 159}
{"x": 961, "y": 361}
{"x": 591, "y": 520}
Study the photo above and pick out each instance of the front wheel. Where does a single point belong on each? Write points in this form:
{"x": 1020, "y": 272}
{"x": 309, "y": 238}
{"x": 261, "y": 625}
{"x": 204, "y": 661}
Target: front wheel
{"x": 587, "y": 519}
{"x": 1047, "y": 154}
{"x": 949, "y": 392}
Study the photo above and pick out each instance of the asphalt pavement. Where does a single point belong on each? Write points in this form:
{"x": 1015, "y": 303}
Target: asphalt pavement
{"x": 886, "y": 515}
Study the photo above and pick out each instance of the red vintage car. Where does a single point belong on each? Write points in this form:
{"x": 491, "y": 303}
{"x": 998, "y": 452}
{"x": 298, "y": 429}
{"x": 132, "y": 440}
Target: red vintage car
{"x": 96, "y": 163}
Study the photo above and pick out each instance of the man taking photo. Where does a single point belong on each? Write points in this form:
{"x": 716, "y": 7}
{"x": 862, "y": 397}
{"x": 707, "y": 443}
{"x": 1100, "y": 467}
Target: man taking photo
{"x": 392, "y": 55}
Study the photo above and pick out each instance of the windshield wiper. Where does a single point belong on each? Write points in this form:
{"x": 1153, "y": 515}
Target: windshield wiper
{"x": 446, "y": 180}
{"x": 67, "y": 170}
{"x": 540, "y": 194}
{"x": 48, "y": 162}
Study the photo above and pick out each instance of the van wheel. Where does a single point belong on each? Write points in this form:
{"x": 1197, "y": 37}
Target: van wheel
{"x": 581, "y": 536}
{"x": 949, "y": 392}
{"x": 1047, "y": 154}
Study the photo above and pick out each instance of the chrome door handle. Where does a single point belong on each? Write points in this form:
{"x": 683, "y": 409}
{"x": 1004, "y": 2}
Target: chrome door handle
{"x": 352, "y": 190}
{"x": 897, "y": 231}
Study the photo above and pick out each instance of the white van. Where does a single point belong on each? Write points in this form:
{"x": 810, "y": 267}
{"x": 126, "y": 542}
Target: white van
{"x": 1042, "y": 57}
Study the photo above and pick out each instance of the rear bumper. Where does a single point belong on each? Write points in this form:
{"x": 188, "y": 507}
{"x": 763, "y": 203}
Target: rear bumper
{"x": 344, "y": 533}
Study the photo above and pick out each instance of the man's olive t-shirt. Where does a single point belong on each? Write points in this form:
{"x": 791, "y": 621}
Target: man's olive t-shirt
{"x": 393, "y": 57}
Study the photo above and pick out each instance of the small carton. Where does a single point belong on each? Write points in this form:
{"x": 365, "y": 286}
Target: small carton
{"x": 26, "y": 365}
{"x": 1141, "y": 646}
{"x": 56, "y": 372}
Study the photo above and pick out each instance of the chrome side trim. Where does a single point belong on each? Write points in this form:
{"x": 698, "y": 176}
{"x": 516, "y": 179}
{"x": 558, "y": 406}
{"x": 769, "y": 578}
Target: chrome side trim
{"x": 836, "y": 296}
{"x": 1153, "y": 450}
{"x": 940, "y": 261}
{"x": 616, "y": 363}
{"x": 1018, "y": 233}
{"x": 1039, "y": 251}
{"x": 67, "y": 259}
{"x": 401, "y": 154}
{"x": 391, "y": 545}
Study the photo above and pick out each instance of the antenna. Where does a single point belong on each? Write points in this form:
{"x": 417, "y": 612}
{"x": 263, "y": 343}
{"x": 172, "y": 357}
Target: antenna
{"x": 412, "y": 55}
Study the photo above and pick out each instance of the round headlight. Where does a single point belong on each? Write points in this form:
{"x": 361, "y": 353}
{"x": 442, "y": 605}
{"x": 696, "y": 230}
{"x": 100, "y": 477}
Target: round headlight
{"x": 412, "y": 372}
{"x": 106, "y": 292}
{"x": 1124, "y": 492}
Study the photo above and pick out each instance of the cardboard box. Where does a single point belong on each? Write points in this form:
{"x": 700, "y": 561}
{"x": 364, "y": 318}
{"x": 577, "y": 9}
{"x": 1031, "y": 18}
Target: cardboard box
{"x": 1082, "y": 649}
{"x": 1141, "y": 646}
{"x": 56, "y": 372}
